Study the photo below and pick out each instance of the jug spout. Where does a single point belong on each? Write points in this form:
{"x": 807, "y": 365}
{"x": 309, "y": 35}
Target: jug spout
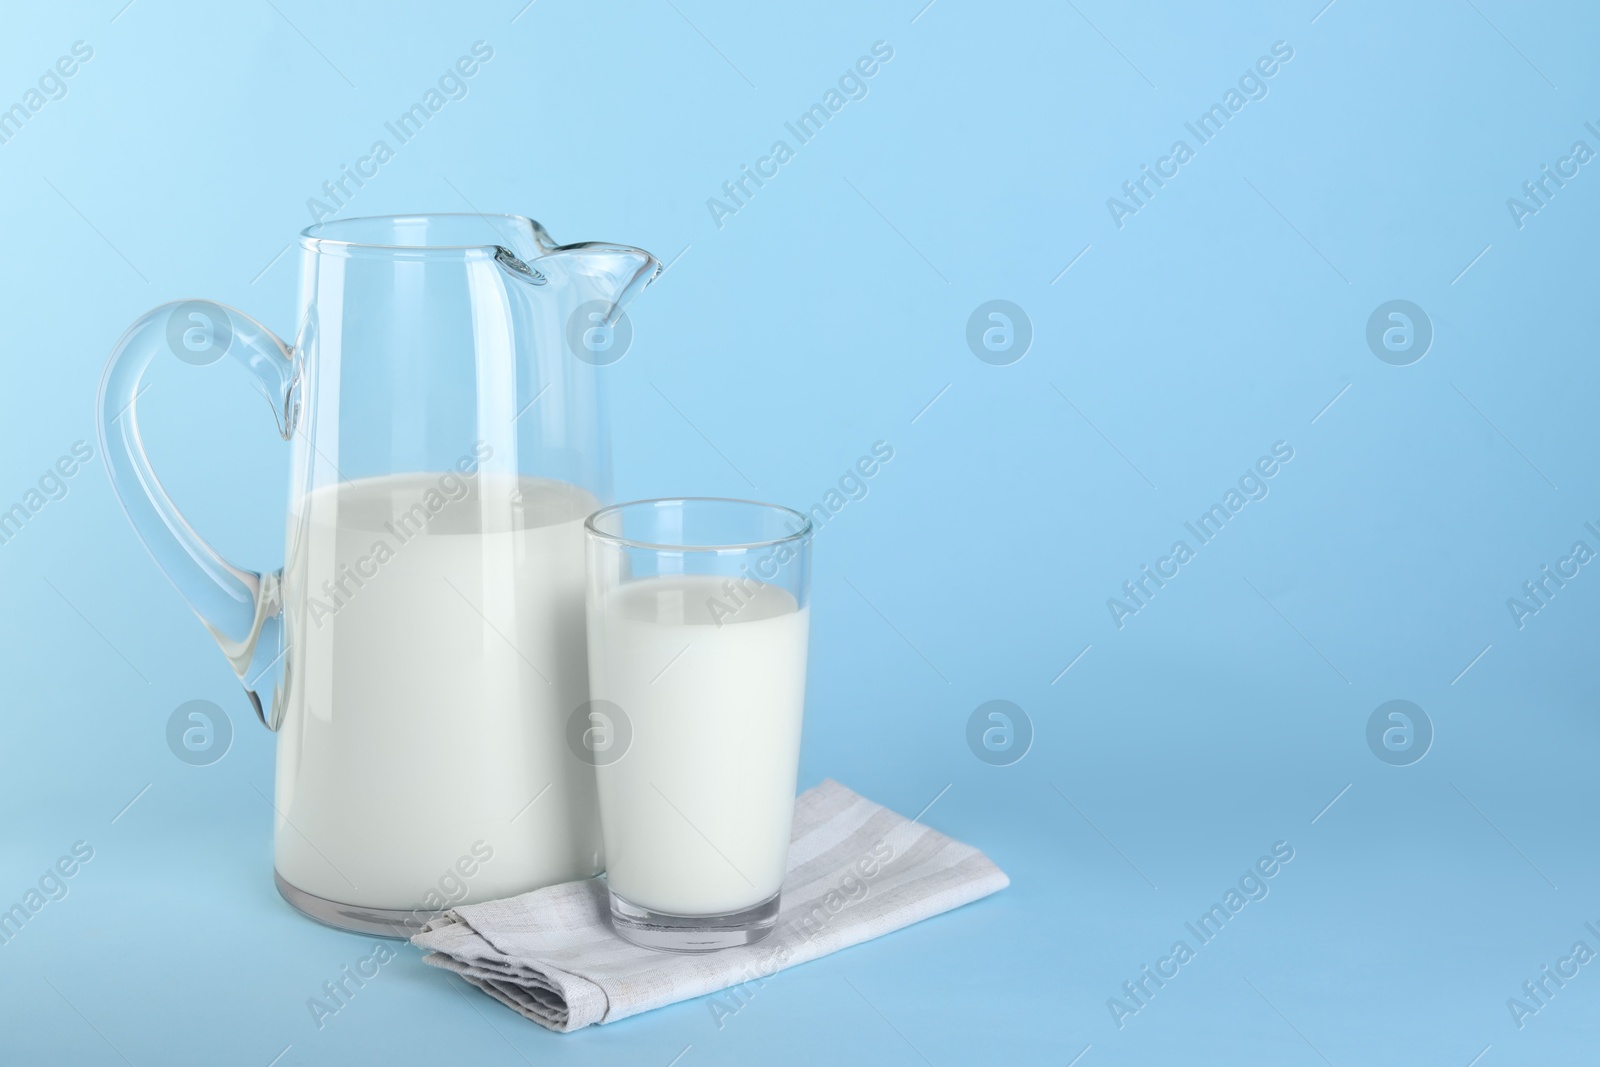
{"x": 599, "y": 270}
{"x": 612, "y": 274}
{"x": 618, "y": 272}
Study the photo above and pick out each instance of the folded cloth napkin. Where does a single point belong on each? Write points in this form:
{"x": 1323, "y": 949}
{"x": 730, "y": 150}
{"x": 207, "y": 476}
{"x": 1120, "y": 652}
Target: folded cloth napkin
{"x": 856, "y": 871}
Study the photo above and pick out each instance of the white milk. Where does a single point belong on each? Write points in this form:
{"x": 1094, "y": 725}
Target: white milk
{"x": 696, "y": 814}
{"x": 428, "y": 704}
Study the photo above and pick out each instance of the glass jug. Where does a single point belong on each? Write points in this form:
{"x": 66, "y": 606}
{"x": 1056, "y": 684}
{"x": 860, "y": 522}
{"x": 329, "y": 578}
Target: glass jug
{"x": 421, "y": 654}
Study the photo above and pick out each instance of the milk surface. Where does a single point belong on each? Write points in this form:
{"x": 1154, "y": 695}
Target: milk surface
{"x": 436, "y": 626}
{"x": 696, "y": 814}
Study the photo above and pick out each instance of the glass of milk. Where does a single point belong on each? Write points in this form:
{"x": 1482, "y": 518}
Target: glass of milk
{"x": 698, "y": 614}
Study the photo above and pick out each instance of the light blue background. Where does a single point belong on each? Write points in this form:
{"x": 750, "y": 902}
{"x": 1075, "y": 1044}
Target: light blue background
{"x": 824, "y": 316}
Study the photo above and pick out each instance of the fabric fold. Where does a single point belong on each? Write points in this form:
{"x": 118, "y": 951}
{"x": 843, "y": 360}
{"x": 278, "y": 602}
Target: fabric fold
{"x": 856, "y": 871}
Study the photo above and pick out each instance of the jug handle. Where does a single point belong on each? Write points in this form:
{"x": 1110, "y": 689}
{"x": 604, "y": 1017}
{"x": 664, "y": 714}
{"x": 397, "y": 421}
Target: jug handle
{"x": 241, "y": 608}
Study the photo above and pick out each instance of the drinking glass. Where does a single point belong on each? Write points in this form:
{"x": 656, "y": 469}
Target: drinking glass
{"x": 698, "y": 616}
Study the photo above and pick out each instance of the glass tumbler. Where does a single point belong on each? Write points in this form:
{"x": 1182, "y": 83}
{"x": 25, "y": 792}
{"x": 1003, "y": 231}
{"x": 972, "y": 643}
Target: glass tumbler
{"x": 698, "y": 621}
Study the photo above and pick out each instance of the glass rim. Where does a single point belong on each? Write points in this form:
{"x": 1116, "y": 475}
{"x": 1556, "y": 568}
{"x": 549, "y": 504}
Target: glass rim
{"x": 314, "y": 237}
{"x": 804, "y": 531}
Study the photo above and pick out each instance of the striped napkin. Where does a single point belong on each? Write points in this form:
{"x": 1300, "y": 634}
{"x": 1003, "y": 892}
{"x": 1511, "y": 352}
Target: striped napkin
{"x": 856, "y": 871}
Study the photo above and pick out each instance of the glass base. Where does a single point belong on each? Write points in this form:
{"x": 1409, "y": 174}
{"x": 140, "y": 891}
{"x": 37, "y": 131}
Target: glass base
{"x": 379, "y": 922}
{"x": 693, "y": 933}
